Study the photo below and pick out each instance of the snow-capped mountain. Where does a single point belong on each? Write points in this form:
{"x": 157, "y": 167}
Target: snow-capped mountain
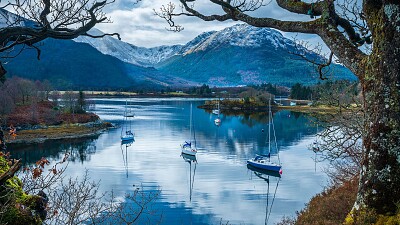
{"x": 241, "y": 35}
{"x": 242, "y": 55}
{"x": 237, "y": 55}
{"x": 8, "y": 19}
{"x": 146, "y": 57}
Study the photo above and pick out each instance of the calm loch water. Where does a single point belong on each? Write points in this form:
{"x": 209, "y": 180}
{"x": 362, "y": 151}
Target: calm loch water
{"x": 219, "y": 188}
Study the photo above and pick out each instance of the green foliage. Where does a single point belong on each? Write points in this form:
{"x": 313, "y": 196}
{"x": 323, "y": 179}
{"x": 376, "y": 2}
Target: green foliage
{"x": 203, "y": 90}
{"x": 336, "y": 93}
{"x": 16, "y": 206}
{"x": 270, "y": 88}
{"x": 299, "y": 91}
{"x": 81, "y": 102}
{"x": 369, "y": 216}
{"x": 329, "y": 93}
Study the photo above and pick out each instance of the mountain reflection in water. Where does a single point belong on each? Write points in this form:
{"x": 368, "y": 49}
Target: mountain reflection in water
{"x": 222, "y": 190}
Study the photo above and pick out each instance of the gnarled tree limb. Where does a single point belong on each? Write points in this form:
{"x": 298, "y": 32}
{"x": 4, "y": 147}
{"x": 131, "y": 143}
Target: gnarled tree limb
{"x": 327, "y": 26}
{"x": 61, "y": 19}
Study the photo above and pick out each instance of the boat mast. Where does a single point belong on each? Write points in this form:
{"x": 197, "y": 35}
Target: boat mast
{"x": 124, "y": 120}
{"x": 130, "y": 121}
{"x": 269, "y": 129}
{"x": 190, "y": 121}
{"x": 218, "y": 108}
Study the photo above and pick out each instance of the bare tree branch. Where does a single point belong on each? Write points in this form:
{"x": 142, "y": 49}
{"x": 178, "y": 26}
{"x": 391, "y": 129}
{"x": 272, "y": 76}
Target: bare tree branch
{"x": 37, "y": 20}
{"x": 343, "y": 45}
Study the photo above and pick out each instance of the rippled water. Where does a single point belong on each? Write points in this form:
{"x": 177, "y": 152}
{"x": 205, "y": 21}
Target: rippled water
{"x": 219, "y": 187}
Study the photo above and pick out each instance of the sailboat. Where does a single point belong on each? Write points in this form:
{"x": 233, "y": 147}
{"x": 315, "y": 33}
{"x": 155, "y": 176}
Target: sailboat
{"x": 187, "y": 147}
{"x": 126, "y": 131}
{"x": 216, "y": 111}
{"x": 316, "y": 144}
{"x": 190, "y": 159}
{"x": 264, "y": 161}
{"x": 266, "y": 175}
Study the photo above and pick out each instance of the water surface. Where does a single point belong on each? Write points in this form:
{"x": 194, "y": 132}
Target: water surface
{"x": 219, "y": 187}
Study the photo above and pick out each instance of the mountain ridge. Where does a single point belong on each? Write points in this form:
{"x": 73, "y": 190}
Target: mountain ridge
{"x": 237, "y": 55}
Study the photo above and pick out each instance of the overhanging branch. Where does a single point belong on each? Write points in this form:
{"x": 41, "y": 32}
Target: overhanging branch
{"x": 326, "y": 26}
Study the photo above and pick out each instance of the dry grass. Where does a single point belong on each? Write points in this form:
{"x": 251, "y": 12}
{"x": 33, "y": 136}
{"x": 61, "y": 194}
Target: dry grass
{"x": 329, "y": 207}
{"x": 310, "y": 109}
{"x": 56, "y": 132}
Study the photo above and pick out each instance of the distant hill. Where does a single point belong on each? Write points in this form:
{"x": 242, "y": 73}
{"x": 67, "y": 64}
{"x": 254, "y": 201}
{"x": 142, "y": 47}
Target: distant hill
{"x": 243, "y": 54}
{"x": 237, "y": 55}
{"x": 71, "y": 65}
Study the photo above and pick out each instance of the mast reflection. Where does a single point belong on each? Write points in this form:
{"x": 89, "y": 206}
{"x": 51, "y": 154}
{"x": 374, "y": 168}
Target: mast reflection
{"x": 190, "y": 159}
{"x": 266, "y": 175}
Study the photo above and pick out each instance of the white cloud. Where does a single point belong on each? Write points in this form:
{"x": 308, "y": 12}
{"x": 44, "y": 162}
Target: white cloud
{"x": 138, "y": 25}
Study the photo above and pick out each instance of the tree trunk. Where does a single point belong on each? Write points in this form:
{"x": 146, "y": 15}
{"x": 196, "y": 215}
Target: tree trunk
{"x": 380, "y": 176}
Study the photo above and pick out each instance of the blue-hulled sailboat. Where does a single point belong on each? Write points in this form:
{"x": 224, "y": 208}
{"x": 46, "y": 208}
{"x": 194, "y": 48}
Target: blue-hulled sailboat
{"x": 264, "y": 161}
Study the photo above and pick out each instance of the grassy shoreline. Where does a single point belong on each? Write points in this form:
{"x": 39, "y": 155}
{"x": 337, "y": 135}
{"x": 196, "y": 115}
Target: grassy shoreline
{"x": 66, "y": 131}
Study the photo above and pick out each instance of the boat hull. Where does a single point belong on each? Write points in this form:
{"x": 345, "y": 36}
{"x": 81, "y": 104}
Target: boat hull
{"x": 189, "y": 151}
{"x": 127, "y": 138}
{"x": 265, "y": 165}
{"x": 188, "y": 158}
{"x": 265, "y": 172}
{"x": 215, "y": 111}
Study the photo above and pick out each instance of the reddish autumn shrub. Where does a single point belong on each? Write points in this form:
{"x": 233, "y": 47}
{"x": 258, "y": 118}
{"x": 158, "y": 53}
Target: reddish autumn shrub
{"x": 329, "y": 207}
{"x": 46, "y": 113}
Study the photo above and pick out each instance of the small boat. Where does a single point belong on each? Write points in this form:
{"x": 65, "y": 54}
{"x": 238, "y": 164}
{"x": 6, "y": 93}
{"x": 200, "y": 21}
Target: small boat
{"x": 189, "y": 158}
{"x": 128, "y": 136}
{"x": 264, "y": 161}
{"x": 187, "y": 147}
{"x": 217, "y": 121}
{"x": 126, "y": 131}
{"x": 216, "y": 111}
{"x": 316, "y": 145}
{"x": 262, "y": 171}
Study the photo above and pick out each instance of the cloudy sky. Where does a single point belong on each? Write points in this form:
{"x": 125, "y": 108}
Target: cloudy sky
{"x": 138, "y": 25}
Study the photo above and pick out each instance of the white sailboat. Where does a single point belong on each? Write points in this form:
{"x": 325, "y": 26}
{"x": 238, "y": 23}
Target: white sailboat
{"x": 264, "y": 161}
{"x": 126, "y": 131}
{"x": 188, "y": 147}
{"x": 217, "y": 110}
{"x": 316, "y": 144}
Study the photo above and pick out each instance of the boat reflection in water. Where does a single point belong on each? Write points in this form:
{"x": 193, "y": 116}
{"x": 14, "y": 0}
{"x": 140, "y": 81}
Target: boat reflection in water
{"x": 124, "y": 150}
{"x": 190, "y": 159}
{"x": 266, "y": 175}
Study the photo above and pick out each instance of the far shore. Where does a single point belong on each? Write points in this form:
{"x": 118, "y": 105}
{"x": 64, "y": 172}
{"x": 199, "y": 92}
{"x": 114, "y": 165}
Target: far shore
{"x": 309, "y": 109}
{"x": 122, "y": 94}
